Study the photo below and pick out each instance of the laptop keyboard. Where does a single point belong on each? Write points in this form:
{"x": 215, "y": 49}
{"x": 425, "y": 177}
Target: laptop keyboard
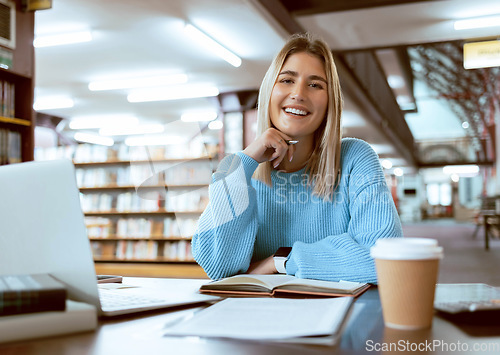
{"x": 118, "y": 300}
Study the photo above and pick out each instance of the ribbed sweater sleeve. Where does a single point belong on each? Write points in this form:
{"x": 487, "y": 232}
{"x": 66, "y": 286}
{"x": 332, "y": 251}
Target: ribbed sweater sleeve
{"x": 224, "y": 241}
{"x": 372, "y": 215}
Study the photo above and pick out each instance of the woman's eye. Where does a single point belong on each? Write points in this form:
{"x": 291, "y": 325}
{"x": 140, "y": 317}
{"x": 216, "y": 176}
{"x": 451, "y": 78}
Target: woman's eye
{"x": 316, "y": 85}
{"x": 286, "y": 81}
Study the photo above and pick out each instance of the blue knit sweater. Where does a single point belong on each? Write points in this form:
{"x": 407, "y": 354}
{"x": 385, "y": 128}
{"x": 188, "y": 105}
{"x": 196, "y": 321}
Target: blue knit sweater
{"x": 246, "y": 220}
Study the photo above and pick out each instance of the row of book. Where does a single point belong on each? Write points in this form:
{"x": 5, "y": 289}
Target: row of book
{"x": 89, "y": 153}
{"x": 98, "y": 227}
{"x": 186, "y": 173}
{"x": 7, "y": 99}
{"x": 143, "y": 250}
{"x": 10, "y": 147}
{"x": 182, "y": 200}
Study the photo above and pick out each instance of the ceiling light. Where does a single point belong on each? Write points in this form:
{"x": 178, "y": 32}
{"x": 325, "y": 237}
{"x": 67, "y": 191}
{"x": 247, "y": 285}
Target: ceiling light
{"x": 154, "y": 140}
{"x": 202, "y": 116}
{"x": 395, "y": 81}
{"x": 131, "y": 130}
{"x": 62, "y": 39}
{"x": 461, "y": 169}
{"x": 94, "y": 139}
{"x": 398, "y": 172}
{"x": 465, "y": 125}
{"x": 89, "y": 122}
{"x": 386, "y": 164}
{"x": 215, "y": 125}
{"x": 214, "y": 46}
{"x": 173, "y": 93}
{"x": 455, "y": 177}
{"x": 149, "y": 81}
{"x": 478, "y": 22}
{"x": 52, "y": 103}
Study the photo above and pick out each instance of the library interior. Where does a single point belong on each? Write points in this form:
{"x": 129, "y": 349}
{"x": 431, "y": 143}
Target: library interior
{"x": 147, "y": 98}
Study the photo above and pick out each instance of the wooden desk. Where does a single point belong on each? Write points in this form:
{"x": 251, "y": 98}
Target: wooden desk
{"x": 364, "y": 334}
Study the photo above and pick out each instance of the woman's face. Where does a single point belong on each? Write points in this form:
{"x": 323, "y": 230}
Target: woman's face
{"x": 300, "y": 97}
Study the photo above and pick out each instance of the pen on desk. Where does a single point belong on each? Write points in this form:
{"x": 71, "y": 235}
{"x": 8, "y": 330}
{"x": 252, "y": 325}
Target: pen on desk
{"x": 291, "y": 142}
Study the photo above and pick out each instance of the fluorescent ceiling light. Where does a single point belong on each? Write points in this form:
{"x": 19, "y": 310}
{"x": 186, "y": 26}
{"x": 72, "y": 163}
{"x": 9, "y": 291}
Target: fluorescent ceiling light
{"x": 461, "y": 169}
{"x": 90, "y": 122}
{"x": 132, "y": 130}
{"x": 202, "y": 116}
{"x": 398, "y": 172}
{"x": 149, "y": 81}
{"x": 215, "y": 125}
{"x": 395, "y": 81}
{"x": 213, "y": 45}
{"x": 94, "y": 139}
{"x": 52, "y": 103}
{"x": 154, "y": 140}
{"x": 62, "y": 39}
{"x": 478, "y": 22}
{"x": 386, "y": 164}
{"x": 173, "y": 93}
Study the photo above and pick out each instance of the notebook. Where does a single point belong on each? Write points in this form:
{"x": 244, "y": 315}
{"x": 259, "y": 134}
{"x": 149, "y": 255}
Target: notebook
{"x": 42, "y": 230}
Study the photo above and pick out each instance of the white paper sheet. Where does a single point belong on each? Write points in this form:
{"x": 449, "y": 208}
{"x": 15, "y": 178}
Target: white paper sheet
{"x": 274, "y": 319}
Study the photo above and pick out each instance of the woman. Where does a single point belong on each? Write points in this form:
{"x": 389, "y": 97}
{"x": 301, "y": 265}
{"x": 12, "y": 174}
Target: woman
{"x": 298, "y": 184}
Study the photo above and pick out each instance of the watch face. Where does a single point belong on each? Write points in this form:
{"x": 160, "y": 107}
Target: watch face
{"x": 283, "y": 252}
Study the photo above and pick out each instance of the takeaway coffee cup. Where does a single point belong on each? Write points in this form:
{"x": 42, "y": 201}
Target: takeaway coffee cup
{"x": 407, "y": 270}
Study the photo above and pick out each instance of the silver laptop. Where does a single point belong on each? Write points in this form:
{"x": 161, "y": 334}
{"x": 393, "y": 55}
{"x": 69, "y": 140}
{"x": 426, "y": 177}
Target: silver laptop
{"x": 42, "y": 230}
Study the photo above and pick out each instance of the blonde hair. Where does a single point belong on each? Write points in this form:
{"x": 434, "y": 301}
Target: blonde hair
{"x": 324, "y": 165}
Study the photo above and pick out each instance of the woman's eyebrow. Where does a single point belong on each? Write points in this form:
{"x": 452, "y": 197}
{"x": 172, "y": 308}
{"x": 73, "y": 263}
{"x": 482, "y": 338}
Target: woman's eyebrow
{"x": 295, "y": 74}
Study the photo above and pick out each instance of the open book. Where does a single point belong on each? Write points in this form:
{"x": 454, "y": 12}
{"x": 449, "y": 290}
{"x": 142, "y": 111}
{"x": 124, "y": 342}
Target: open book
{"x": 281, "y": 285}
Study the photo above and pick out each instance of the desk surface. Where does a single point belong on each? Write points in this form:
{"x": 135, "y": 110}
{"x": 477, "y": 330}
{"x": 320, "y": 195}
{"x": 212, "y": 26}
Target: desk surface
{"x": 364, "y": 334}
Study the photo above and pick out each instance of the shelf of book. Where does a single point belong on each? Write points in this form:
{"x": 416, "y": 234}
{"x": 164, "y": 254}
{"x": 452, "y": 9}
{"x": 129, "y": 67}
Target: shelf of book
{"x": 130, "y": 187}
{"x": 81, "y": 164}
{"x": 17, "y": 116}
{"x": 153, "y": 238}
{"x": 141, "y": 204}
{"x": 141, "y": 213}
{"x": 15, "y": 121}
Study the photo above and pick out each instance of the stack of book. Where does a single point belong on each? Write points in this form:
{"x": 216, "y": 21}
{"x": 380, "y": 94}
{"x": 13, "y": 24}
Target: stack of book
{"x": 33, "y": 306}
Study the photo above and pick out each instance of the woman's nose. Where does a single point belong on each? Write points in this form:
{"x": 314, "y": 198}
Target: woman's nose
{"x": 298, "y": 92}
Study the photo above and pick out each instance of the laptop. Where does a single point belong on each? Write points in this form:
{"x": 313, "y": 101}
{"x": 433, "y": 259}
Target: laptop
{"x": 42, "y": 230}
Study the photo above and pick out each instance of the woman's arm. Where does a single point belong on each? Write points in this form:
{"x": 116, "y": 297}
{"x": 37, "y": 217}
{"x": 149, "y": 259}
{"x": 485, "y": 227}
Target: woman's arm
{"x": 223, "y": 243}
{"x": 372, "y": 215}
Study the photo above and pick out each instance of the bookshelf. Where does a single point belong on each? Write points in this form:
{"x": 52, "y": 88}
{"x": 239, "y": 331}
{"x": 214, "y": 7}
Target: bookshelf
{"x": 141, "y": 214}
{"x": 17, "y": 118}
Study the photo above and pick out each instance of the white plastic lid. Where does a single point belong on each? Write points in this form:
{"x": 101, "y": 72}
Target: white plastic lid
{"x": 406, "y": 249}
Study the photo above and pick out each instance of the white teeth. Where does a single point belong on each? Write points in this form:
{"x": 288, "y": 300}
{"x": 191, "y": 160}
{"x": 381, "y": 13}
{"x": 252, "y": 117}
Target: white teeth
{"x": 295, "y": 111}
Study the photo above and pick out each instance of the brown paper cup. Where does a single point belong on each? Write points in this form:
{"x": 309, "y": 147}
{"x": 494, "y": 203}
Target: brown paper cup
{"x": 406, "y": 289}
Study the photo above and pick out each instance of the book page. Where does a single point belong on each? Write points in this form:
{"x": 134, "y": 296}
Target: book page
{"x": 331, "y": 285}
{"x": 266, "y": 319}
{"x": 268, "y": 281}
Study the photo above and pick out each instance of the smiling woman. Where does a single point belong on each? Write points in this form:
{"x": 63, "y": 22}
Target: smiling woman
{"x": 322, "y": 201}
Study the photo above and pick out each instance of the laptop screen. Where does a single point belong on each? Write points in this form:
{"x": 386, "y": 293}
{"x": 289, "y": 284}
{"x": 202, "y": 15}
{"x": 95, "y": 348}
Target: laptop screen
{"x": 42, "y": 228}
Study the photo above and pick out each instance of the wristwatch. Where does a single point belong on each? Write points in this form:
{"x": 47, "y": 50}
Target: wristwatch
{"x": 280, "y": 258}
